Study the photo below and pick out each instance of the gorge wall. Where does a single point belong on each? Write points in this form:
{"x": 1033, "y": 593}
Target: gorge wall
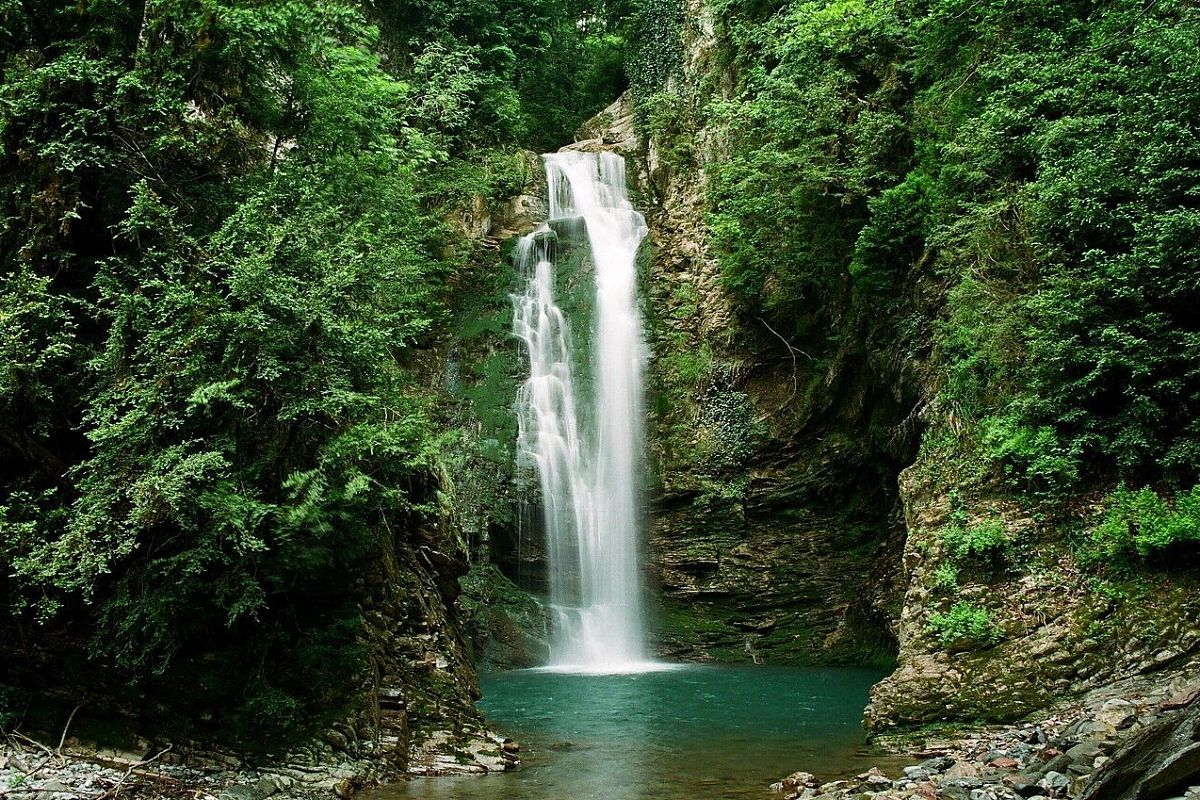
{"x": 816, "y": 498}
{"x": 776, "y": 526}
{"x": 775, "y": 519}
{"x": 1057, "y": 632}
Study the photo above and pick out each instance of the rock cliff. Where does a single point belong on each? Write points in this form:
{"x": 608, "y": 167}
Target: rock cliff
{"x": 775, "y": 523}
{"x": 1056, "y": 633}
{"x": 797, "y": 517}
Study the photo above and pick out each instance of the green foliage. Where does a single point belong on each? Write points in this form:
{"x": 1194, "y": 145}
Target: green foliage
{"x": 525, "y": 70}
{"x": 1037, "y": 160}
{"x": 894, "y": 234}
{"x": 685, "y": 299}
{"x": 822, "y": 103}
{"x": 666, "y": 119}
{"x": 729, "y": 420}
{"x": 482, "y": 378}
{"x": 1067, "y": 161}
{"x": 982, "y": 540}
{"x": 1141, "y": 524}
{"x": 491, "y": 398}
{"x": 225, "y": 241}
{"x": 688, "y": 367}
{"x": 656, "y": 50}
{"x": 1034, "y": 458}
{"x": 945, "y": 578}
{"x": 964, "y": 625}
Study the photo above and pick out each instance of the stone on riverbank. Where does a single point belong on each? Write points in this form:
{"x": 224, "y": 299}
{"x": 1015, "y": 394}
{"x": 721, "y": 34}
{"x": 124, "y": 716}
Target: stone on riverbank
{"x": 1135, "y": 740}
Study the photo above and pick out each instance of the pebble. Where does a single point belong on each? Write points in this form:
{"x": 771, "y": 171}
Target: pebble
{"x": 1054, "y": 782}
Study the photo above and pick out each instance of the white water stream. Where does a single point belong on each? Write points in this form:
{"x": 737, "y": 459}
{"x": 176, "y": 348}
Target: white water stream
{"x": 587, "y": 450}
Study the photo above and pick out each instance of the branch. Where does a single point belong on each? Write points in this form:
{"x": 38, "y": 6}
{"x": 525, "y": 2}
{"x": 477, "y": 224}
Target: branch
{"x": 117, "y": 787}
{"x": 792, "y": 350}
{"x": 67, "y": 727}
{"x": 41, "y": 457}
{"x": 33, "y": 742}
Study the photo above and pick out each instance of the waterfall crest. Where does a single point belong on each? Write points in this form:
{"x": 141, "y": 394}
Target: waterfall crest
{"x": 587, "y": 452}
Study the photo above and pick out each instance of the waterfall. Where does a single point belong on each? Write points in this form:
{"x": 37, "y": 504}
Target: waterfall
{"x": 587, "y": 450}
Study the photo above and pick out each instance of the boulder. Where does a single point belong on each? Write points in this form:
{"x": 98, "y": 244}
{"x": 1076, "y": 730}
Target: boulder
{"x": 1084, "y": 751}
{"x": 962, "y": 769}
{"x": 1117, "y": 713}
{"x": 1024, "y": 784}
{"x": 794, "y": 784}
{"x": 1156, "y": 763}
{"x": 937, "y": 763}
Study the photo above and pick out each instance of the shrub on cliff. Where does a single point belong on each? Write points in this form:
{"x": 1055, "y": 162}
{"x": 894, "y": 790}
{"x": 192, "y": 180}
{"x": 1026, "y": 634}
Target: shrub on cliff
{"x": 964, "y": 626}
{"x": 1142, "y": 524}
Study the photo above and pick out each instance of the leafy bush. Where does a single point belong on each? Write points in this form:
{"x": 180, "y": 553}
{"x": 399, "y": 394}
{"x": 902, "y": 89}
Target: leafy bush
{"x": 667, "y": 120}
{"x": 1038, "y": 160}
{"x": 1060, "y": 192}
{"x": 983, "y": 540}
{"x": 1142, "y": 523}
{"x": 945, "y": 578}
{"x": 818, "y": 127}
{"x": 964, "y": 625}
{"x": 534, "y": 69}
{"x": 894, "y": 234}
{"x": 729, "y": 418}
{"x": 1033, "y": 458}
{"x": 656, "y": 50}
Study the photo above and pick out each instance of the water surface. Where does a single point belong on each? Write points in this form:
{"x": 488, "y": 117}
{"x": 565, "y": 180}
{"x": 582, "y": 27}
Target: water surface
{"x": 695, "y": 732}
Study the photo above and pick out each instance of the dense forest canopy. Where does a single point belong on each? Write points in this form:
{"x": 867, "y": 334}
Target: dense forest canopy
{"x": 225, "y": 232}
{"x": 1039, "y": 161}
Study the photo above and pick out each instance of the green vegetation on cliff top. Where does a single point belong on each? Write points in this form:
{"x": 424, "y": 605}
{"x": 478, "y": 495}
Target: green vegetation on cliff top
{"x": 226, "y": 241}
{"x": 1021, "y": 175}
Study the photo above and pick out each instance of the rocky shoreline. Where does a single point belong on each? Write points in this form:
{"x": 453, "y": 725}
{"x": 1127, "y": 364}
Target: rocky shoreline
{"x": 1134, "y": 740}
{"x": 31, "y": 770}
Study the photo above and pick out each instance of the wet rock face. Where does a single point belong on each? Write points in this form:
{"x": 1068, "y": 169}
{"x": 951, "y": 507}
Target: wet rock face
{"x": 506, "y": 627}
{"x": 418, "y": 714}
{"x": 612, "y": 129}
{"x": 766, "y": 575}
{"x": 1054, "y": 632}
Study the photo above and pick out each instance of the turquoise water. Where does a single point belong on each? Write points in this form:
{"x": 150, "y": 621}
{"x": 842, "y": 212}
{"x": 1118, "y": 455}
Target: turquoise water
{"x": 695, "y": 732}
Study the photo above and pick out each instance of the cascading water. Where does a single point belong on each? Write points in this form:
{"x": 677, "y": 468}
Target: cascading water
{"x": 589, "y": 477}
